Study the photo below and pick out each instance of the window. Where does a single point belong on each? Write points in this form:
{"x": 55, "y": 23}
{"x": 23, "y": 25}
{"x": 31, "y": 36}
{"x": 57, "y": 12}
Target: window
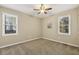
{"x": 9, "y": 24}
{"x": 64, "y": 25}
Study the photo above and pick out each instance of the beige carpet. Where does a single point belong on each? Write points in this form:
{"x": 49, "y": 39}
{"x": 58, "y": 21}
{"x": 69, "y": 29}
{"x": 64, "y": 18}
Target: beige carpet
{"x": 40, "y": 47}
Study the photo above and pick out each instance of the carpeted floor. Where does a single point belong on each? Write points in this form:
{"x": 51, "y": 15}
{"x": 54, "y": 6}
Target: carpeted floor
{"x": 40, "y": 47}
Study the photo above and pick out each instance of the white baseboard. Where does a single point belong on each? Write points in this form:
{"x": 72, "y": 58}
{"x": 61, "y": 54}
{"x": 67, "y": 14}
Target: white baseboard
{"x": 18, "y": 42}
{"x": 61, "y": 42}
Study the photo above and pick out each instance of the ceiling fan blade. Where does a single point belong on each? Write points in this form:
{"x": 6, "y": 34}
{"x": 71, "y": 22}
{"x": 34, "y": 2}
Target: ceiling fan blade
{"x": 42, "y": 5}
{"x": 45, "y": 12}
{"x": 38, "y": 12}
{"x": 48, "y": 9}
{"x": 36, "y": 9}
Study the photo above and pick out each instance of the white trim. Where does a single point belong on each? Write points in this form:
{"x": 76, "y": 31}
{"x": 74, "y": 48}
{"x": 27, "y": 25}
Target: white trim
{"x": 61, "y": 42}
{"x": 3, "y": 27}
{"x": 69, "y": 25}
{"x": 18, "y": 42}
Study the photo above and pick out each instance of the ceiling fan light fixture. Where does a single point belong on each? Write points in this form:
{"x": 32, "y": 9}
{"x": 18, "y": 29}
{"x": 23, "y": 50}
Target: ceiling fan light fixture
{"x": 43, "y": 9}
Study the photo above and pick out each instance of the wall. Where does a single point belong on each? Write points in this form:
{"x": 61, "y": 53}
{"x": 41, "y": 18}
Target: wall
{"x": 52, "y": 34}
{"x": 28, "y": 28}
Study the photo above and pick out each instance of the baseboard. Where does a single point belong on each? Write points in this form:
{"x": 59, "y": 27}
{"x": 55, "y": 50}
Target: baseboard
{"x": 61, "y": 42}
{"x": 18, "y": 42}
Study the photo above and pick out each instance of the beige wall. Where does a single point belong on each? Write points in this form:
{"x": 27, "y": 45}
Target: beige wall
{"x": 28, "y": 28}
{"x": 52, "y": 33}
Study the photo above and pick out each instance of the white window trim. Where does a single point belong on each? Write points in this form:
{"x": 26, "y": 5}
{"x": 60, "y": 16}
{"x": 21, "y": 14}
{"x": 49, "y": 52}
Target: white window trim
{"x": 3, "y": 24}
{"x": 68, "y": 25}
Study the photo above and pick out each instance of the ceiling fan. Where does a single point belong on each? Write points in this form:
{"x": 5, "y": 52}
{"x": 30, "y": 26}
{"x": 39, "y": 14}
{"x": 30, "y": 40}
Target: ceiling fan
{"x": 42, "y": 9}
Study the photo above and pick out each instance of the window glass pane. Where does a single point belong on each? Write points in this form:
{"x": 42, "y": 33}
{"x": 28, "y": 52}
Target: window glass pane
{"x": 10, "y": 24}
{"x": 64, "y": 25}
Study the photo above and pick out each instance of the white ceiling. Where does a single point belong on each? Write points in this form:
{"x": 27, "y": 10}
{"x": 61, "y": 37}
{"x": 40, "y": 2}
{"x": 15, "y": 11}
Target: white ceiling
{"x": 28, "y": 8}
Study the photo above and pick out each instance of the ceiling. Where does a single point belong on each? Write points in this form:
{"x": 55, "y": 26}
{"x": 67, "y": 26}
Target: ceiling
{"x": 28, "y": 8}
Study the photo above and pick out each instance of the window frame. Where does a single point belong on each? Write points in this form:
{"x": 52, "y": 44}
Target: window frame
{"x": 3, "y": 24}
{"x": 59, "y": 19}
